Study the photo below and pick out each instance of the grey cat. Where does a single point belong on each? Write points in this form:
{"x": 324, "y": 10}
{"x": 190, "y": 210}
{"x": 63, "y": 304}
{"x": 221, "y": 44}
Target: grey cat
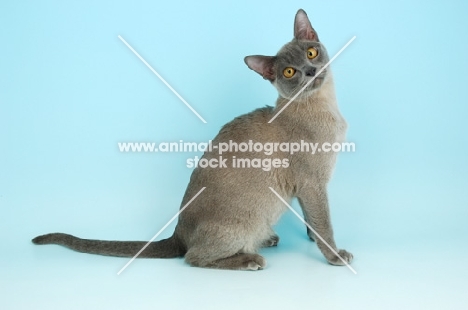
{"x": 225, "y": 226}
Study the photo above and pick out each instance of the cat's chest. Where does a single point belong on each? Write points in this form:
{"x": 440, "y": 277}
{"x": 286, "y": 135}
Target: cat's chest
{"x": 323, "y": 127}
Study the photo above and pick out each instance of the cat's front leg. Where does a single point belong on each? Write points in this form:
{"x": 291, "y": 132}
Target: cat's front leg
{"x": 311, "y": 234}
{"x": 314, "y": 204}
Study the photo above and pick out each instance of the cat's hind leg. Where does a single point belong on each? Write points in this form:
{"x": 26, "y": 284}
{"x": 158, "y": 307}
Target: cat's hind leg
{"x": 224, "y": 248}
{"x": 272, "y": 241}
{"x": 238, "y": 261}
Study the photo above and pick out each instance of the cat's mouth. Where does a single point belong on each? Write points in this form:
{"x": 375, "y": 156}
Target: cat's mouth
{"x": 321, "y": 75}
{"x": 316, "y": 83}
{"x": 318, "y": 79}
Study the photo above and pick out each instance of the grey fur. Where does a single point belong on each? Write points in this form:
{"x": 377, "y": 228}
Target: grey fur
{"x": 233, "y": 217}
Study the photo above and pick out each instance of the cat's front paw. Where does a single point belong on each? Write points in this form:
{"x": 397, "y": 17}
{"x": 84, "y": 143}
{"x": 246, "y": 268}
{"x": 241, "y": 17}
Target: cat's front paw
{"x": 346, "y": 256}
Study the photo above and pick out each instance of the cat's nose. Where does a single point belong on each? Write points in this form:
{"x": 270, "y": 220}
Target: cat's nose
{"x": 310, "y": 72}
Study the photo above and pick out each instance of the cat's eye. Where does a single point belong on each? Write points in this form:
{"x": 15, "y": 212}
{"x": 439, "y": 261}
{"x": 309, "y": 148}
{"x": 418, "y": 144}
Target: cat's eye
{"x": 312, "y": 53}
{"x": 289, "y": 72}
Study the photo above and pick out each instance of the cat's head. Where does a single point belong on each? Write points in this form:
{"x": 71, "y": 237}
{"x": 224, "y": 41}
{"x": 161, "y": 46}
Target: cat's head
{"x": 296, "y": 63}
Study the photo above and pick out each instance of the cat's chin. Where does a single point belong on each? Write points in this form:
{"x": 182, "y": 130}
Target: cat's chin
{"x": 305, "y": 94}
{"x": 318, "y": 82}
{"x": 313, "y": 87}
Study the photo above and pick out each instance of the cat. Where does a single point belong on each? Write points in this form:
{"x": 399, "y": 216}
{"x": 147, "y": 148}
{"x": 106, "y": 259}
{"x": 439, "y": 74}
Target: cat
{"x": 226, "y": 225}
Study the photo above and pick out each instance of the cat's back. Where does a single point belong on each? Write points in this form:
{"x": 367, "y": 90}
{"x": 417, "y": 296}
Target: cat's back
{"x": 251, "y": 126}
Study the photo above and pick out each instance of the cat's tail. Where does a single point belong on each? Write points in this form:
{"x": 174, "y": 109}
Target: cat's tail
{"x": 166, "y": 248}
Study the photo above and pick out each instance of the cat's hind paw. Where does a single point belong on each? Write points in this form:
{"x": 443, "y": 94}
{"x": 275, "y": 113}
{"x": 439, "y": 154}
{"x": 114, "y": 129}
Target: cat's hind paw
{"x": 272, "y": 241}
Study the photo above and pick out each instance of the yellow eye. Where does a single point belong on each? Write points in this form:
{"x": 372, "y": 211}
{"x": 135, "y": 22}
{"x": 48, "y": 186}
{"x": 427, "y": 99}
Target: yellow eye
{"x": 312, "y": 53}
{"x": 289, "y": 72}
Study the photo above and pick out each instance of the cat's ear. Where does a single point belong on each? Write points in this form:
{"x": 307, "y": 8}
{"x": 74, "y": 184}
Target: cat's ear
{"x": 263, "y": 65}
{"x": 303, "y": 29}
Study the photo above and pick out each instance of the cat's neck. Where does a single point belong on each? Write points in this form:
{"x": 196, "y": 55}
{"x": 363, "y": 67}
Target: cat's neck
{"x": 320, "y": 101}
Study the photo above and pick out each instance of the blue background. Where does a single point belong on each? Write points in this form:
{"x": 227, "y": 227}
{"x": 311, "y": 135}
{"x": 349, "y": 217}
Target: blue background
{"x": 70, "y": 90}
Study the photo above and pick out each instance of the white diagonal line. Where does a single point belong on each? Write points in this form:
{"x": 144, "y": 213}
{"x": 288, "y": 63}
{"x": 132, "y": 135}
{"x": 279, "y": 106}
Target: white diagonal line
{"x": 313, "y": 79}
{"x": 316, "y": 234}
{"x": 162, "y": 80}
{"x": 161, "y": 230}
